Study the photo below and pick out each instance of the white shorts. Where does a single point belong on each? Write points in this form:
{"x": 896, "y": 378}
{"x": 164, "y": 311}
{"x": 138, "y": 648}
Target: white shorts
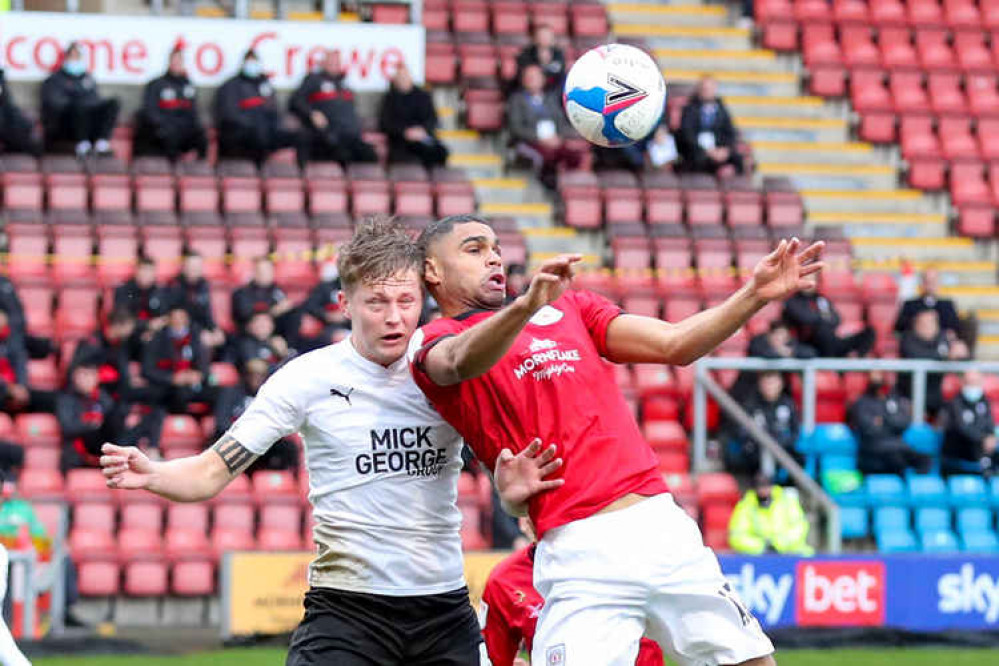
{"x": 644, "y": 570}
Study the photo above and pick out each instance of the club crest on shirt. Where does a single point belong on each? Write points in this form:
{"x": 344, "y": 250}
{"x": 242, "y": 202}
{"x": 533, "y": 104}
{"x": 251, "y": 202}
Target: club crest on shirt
{"x": 556, "y": 655}
{"x": 547, "y": 316}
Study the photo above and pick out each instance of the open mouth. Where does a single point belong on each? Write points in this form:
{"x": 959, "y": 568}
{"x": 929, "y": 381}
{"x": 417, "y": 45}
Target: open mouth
{"x": 497, "y": 281}
{"x": 392, "y": 338}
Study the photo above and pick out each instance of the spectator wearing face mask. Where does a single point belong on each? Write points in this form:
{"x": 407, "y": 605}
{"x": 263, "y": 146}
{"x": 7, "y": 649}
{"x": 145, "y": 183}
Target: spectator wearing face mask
{"x": 969, "y": 445}
{"x": 925, "y": 340}
{"x": 879, "y": 417}
{"x": 325, "y": 106}
{"x": 707, "y": 139}
{"x": 409, "y": 120}
{"x": 17, "y": 132}
{"x": 168, "y": 123}
{"x": 73, "y": 110}
{"x": 769, "y": 519}
{"x": 248, "y": 119}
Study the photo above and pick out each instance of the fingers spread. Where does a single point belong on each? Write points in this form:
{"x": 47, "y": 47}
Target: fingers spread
{"x": 812, "y": 268}
{"x": 547, "y": 454}
{"x": 812, "y": 252}
{"x": 532, "y": 448}
{"x": 550, "y": 468}
{"x": 775, "y": 256}
{"x": 551, "y": 484}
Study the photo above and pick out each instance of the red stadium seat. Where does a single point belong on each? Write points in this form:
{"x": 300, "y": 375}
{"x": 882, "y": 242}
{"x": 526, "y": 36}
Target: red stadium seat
{"x": 946, "y": 96}
{"x": 279, "y": 539}
{"x": 858, "y": 46}
{"x": 441, "y": 63}
{"x": 972, "y": 53}
{"x": 469, "y": 16}
{"x": 819, "y": 45}
{"x": 280, "y": 516}
{"x": 22, "y": 191}
{"x": 194, "y": 578}
{"x": 509, "y": 18}
{"x": 850, "y": 11}
{"x": 477, "y": 60}
{"x": 935, "y": 54}
{"x": 717, "y": 488}
{"x": 868, "y": 91}
{"x": 976, "y": 221}
{"x": 887, "y": 12}
{"x": 270, "y": 486}
{"x": 37, "y": 430}
{"x": 897, "y": 50}
{"x": 187, "y": 516}
{"x": 182, "y": 543}
{"x": 142, "y": 515}
{"x": 967, "y": 184}
{"x": 484, "y": 109}
{"x": 225, "y": 539}
{"x": 962, "y": 14}
{"x": 983, "y": 98}
{"x": 234, "y": 516}
{"x": 93, "y": 515}
{"x": 780, "y": 35}
{"x": 588, "y": 20}
{"x": 924, "y": 12}
{"x": 138, "y": 543}
{"x": 181, "y": 431}
{"x": 99, "y": 578}
{"x": 907, "y": 92}
{"x": 145, "y": 578}
{"x": 42, "y": 458}
{"x": 665, "y": 435}
{"x": 36, "y": 484}
{"x": 956, "y": 139}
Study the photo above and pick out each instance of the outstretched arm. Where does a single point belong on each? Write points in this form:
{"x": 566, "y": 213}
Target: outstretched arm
{"x": 476, "y": 350}
{"x": 634, "y": 339}
{"x": 192, "y": 479}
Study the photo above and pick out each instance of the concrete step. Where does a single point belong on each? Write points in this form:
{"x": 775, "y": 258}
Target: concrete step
{"x": 871, "y": 201}
{"x": 478, "y": 165}
{"x": 827, "y": 176}
{"x": 781, "y": 107}
{"x": 508, "y": 190}
{"x": 796, "y": 130}
{"x": 447, "y": 116}
{"x": 528, "y": 215}
{"x": 876, "y": 224}
{"x": 652, "y": 16}
{"x": 744, "y": 83}
{"x": 987, "y": 348}
{"x": 988, "y": 322}
{"x": 829, "y": 152}
{"x": 979, "y": 297}
{"x": 465, "y": 141}
{"x": 750, "y": 60}
{"x": 945, "y": 248}
{"x": 955, "y": 273}
{"x": 589, "y": 261}
{"x": 688, "y": 37}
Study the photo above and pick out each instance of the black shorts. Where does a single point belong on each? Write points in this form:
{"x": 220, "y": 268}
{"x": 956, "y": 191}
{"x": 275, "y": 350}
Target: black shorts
{"x": 354, "y": 629}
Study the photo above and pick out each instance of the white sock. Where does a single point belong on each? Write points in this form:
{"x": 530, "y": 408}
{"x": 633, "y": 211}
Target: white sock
{"x": 102, "y": 146}
{"x": 83, "y": 148}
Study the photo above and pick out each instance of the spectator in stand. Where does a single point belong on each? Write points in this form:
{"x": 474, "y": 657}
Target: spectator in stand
{"x": 950, "y": 324}
{"x": 14, "y": 393}
{"x": 73, "y": 110}
{"x": 168, "y": 122}
{"x": 409, "y": 120}
{"x": 769, "y": 519}
{"x": 707, "y": 139}
{"x": 776, "y": 343}
{"x": 176, "y": 364}
{"x": 260, "y": 294}
{"x": 879, "y": 417}
{"x": 538, "y": 127}
{"x": 774, "y": 411}
{"x": 925, "y": 340}
{"x": 545, "y": 54}
{"x": 660, "y": 150}
{"x": 190, "y": 290}
{"x": 145, "y": 299}
{"x": 17, "y": 132}
{"x": 87, "y": 417}
{"x": 248, "y": 119}
{"x": 37, "y": 347}
{"x": 260, "y": 342}
{"x": 814, "y": 320}
{"x": 231, "y": 404}
{"x": 325, "y": 107}
{"x": 969, "y": 445}
{"x": 323, "y": 303}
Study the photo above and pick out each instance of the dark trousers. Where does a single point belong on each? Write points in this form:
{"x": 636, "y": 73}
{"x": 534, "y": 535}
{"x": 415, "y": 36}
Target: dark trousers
{"x": 171, "y": 142}
{"x": 259, "y": 141}
{"x": 830, "y": 345}
{"x": 430, "y": 154}
{"x": 704, "y": 164}
{"x": 324, "y": 146}
{"x": 892, "y": 456}
{"x": 547, "y": 159}
{"x": 85, "y": 122}
{"x": 17, "y": 134}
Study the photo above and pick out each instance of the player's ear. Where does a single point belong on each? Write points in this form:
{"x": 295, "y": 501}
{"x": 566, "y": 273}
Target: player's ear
{"x": 431, "y": 272}
{"x": 344, "y": 302}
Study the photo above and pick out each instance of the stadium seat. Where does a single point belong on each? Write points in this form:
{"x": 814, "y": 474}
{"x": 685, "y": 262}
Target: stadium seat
{"x": 926, "y": 490}
{"x": 938, "y": 541}
{"x": 717, "y": 488}
{"x": 182, "y": 543}
{"x": 225, "y": 539}
{"x": 828, "y": 438}
{"x": 967, "y": 490}
{"x": 98, "y": 578}
{"x": 885, "y": 490}
{"x": 138, "y": 543}
{"x": 187, "y": 516}
{"x": 142, "y": 515}
{"x": 923, "y": 438}
{"x": 854, "y": 522}
{"x": 932, "y": 518}
{"x": 233, "y": 516}
{"x": 288, "y": 516}
{"x": 890, "y": 518}
{"x": 980, "y": 542}
{"x": 192, "y": 578}
{"x": 270, "y": 486}
{"x": 89, "y": 485}
{"x": 896, "y": 541}
{"x": 279, "y": 539}
{"x": 145, "y": 578}
{"x": 994, "y": 492}
{"x": 974, "y": 519}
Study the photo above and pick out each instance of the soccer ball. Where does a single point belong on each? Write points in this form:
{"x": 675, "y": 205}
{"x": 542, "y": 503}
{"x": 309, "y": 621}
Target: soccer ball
{"x": 614, "y": 95}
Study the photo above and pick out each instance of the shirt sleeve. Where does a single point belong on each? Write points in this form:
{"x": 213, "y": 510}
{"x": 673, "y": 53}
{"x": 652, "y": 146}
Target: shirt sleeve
{"x": 420, "y": 345}
{"x": 597, "y": 313}
{"x": 276, "y": 412}
{"x": 502, "y": 640}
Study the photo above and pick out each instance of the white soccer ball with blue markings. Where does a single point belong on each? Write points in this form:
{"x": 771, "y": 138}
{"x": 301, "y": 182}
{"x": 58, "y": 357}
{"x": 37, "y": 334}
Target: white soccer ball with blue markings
{"x": 614, "y": 95}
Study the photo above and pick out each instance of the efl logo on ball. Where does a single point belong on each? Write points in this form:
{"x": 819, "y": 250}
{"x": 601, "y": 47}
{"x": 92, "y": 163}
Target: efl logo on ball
{"x": 614, "y": 95}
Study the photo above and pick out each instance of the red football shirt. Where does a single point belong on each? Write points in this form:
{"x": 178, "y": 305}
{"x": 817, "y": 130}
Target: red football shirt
{"x": 554, "y": 384}
{"x": 509, "y": 612}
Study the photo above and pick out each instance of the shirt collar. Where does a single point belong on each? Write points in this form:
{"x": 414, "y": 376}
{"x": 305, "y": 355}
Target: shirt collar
{"x": 370, "y": 366}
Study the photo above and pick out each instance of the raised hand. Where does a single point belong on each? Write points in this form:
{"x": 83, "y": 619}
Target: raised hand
{"x": 520, "y": 477}
{"x": 786, "y": 270}
{"x": 126, "y": 467}
{"x": 552, "y": 279}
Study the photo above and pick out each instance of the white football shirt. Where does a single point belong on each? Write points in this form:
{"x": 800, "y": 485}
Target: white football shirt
{"x": 383, "y": 471}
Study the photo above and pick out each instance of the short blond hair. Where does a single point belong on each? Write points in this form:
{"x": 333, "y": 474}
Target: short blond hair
{"x": 380, "y": 248}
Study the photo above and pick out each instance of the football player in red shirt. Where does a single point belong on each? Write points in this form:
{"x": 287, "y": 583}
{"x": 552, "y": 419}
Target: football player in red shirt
{"x": 616, "y": 557}
{"x": 509, "y": 609}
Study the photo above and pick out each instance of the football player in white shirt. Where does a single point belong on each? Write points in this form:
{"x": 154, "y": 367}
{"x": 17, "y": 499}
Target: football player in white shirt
{"x": 387, "y": 584}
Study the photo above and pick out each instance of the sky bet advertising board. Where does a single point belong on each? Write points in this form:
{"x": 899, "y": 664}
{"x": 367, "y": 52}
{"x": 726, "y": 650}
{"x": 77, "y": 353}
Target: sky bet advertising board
{"x": 919, "y": 593}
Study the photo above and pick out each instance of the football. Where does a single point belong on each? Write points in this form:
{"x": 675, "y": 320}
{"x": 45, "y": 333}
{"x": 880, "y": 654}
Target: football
{"x": 614, "y": 95}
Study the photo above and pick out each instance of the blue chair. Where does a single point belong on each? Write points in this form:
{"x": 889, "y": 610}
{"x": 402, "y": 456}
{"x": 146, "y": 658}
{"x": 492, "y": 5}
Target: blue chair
{"x": 926, "y": 490}
{"x": 891, "y": 518}
{"x": 896, "y": 541}
{"x": 923, "y": 438}
{"x": 980, "y": 542}
{"x": 837, "y": 461}
{"x": 854, "y": 522}
{"x": 967, "y": 490}
{"x": 885, "y": 490}
{"x": 931, "y": 519}
{"x": 994, "y": 487}
{"x": 974, "y": 519}
{"x": 938, "y": 541}
{"x": 829, "y": 438}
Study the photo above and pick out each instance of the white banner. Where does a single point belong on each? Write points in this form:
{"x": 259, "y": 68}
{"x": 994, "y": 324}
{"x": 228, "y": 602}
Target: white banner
{"x": 134, "y": 49}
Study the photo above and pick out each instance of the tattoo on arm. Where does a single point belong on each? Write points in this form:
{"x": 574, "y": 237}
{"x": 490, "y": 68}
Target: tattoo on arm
{"x": 235, "y": 456}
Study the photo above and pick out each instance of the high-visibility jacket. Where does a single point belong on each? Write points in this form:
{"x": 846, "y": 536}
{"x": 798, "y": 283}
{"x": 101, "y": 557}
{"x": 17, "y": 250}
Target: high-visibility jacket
{"x": 781, "y": 525}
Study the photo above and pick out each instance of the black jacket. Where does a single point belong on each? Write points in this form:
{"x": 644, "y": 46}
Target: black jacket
{"x": 692, "y": 123}
{"x": 10, "y": 303}
{"x": 145, "y": 304}
{"x": 806, "y": 313}
{"x": 327, "y": 94}
{"x": 61, "y": 91}
{"x": 166, "y": 355}
{"x": 554, "y": 70}
{"x": 244, "y": 103}
{"x": 249, "y": 348}
{"x": 251, "y": 298}
{"x": 83, "y": 419}
{"x": 949, "y": 320}
{"x": 112, "y": 361}
{"x": 779, "y": 418}
{"x": 322, "y": 299}
{"x": 11, "y": 117}
{"x": 169, "y": 104}
{"x": 912, "y": 346}
{"x": 13, "y": 357}
{"x": 968, "y": 424}
{"x": 760, "y": 347}
{"x": 401, "y": 111}
{"x": 877, "y": 418}
{"x": 195, "y": 298}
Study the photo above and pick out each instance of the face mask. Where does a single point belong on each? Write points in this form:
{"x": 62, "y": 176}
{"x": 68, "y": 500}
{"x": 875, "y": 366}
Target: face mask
{"x": 252, "y": 69}
{"x": 329, "y": 273}
{"x": 972, "y": 393}
{"x": 74, "y": 67}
